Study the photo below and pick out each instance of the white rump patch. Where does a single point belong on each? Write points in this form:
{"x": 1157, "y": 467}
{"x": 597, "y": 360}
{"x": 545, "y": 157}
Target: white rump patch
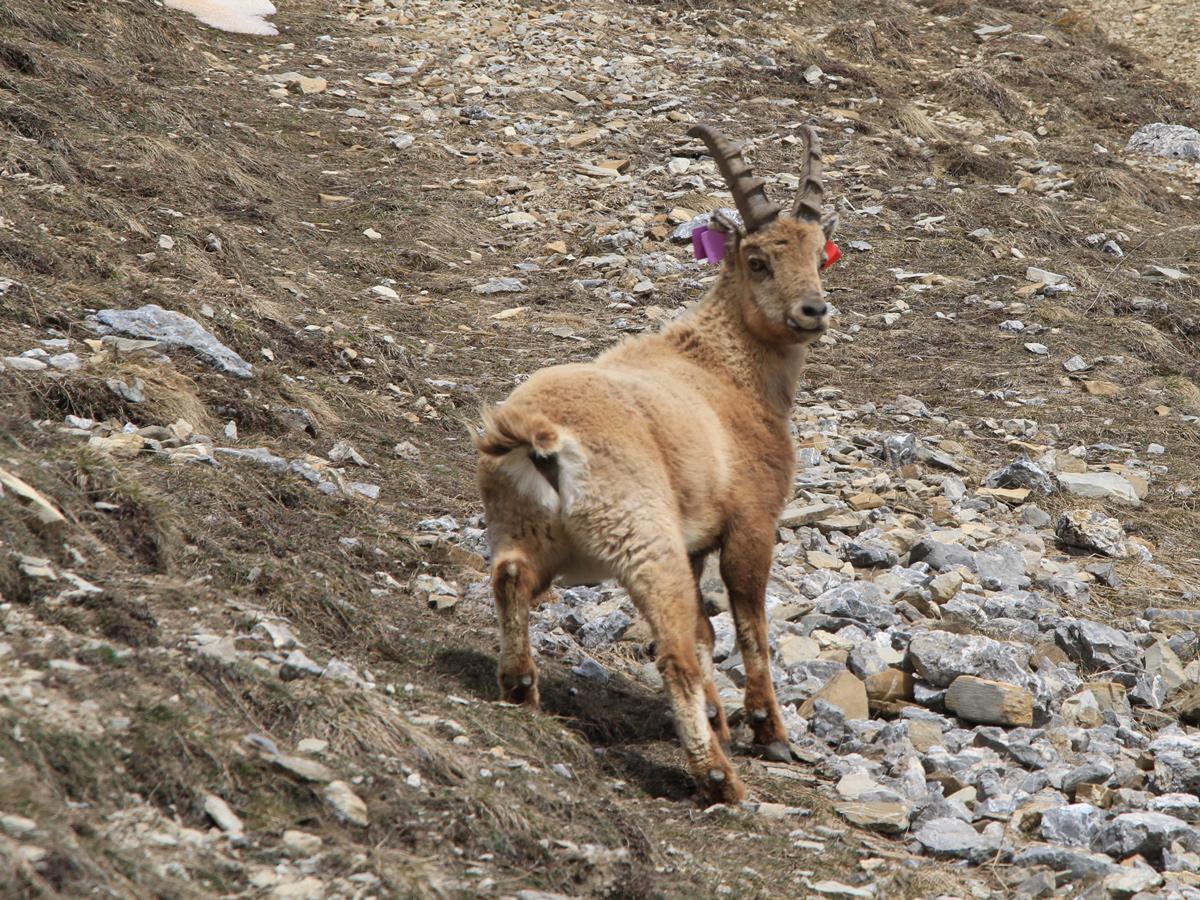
{"x": 518, "y": 467}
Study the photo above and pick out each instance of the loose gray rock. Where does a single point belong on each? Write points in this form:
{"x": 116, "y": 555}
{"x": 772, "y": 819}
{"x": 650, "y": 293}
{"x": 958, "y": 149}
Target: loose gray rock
{"x": 941, "y": 557}
{"x": 940, "y": 657}
{"x": 227, "y": 820}
{"x": 1074, "y": 864}
{"x": 683, "y": 233}
{"x": 1035, "y": 516}
{"x": 1099, "y": 486}
{"x": 954, "y": 838}
{"x": 298, "y": 665}
{"x": 1073, "y": 826}
{"x": 1132, "y": 881}
{"x": 1001, "y": 568}
{"x": 1087, "y": 529}
{"x": 172, "y": 330}
{"x": 604, "y": 630}
{"x": 1022, "y": 473}
{"x": 306, "y": 769}
{"x": 500, "y": 286}
{"x": 1095, "y": 771}
{"x": 900, "y": 449}
{"x": 858, "y": 601}
{"x": 1147, "y": 833}
{"x": 346, "y": 804}
{"x": 865, "y": 660}
{"x": 590, "y": 670}
{"x": 1097, "y": 646}
{"x": 1171, "y": 141}
{"x": 870, "y": 556}
{"x": 1181, "y": 806}
{"x": 1177, "y": 763}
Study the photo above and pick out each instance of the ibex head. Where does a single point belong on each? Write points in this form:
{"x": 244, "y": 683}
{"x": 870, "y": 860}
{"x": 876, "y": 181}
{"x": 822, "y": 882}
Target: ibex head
{"x": 776, "y": 256}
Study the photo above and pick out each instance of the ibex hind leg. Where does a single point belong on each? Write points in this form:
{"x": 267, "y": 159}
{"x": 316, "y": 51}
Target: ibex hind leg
{"x": 515, "y": 584}
{"x": 705, "y": 639}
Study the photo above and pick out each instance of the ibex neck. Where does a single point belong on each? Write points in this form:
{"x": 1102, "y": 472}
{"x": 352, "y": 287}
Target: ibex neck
{"x": 717, "y": 334}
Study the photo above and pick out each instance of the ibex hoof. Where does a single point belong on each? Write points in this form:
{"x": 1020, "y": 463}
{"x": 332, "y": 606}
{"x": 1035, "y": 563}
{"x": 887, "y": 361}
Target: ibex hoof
{"x": 716, "y": 776}
{"x": 520, "y": 689}
{"x": 759, "y": 715}
{"x": 711, "y": 711}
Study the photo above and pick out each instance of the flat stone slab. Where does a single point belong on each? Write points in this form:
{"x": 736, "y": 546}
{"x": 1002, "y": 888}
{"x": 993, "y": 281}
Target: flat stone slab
{"x": 171, "y": 329}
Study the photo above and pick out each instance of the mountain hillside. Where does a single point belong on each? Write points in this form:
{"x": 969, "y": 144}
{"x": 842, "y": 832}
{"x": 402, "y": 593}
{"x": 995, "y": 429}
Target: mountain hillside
{"x": 255, "y": 288}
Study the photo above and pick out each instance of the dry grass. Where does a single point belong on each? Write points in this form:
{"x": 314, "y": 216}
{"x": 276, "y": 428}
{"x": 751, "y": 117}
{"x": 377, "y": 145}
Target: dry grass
{"x": 915, "y": 123}
{"x": 968, "y": 86}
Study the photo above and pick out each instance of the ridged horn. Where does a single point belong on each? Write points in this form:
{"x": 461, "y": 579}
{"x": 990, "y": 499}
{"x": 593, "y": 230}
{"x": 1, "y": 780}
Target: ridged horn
{"x": 811, "y": 191}
{"x": 748, "y": 194}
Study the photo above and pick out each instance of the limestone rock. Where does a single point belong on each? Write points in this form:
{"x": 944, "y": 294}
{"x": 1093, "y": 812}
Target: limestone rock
{"x": 1086, "y": 529}
{"x": 990, "y": 702}
{"x": 889, "y": 685}
{"x": 860, "y": 602}
{"x": 1073, "y": 826}
{"x": 1128, "y": 881}
{"x": 1099, "y": 486}
{"x": 939, "y": 657}
{"x": 843, "y": 691}
{"x": 298, "y": 665}
{"x": 45, "y": 511}
{"x": 307, "y": 769}
{"x": 1022, "y": 473}
{"x": 1171, "y": 141}
{"x": 1145, "y": 833}
{"x": 1097, "y": 646}
{"x": 1073, "y": 864}
{"x": 1176, "y": 763}
{"x": 878, "y": 815}
{"x": 227, "y": 820}
{"x": 172, "y": 330}
{"x": 954, "y": 838}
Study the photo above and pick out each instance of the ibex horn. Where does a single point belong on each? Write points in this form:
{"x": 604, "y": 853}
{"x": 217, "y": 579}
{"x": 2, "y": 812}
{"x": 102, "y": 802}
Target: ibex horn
{"x": 748, "y": 193}
{"x": 810, "y": 192}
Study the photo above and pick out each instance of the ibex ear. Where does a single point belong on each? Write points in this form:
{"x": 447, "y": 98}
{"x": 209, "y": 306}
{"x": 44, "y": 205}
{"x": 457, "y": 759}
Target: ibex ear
{"x": 829, "y": 225}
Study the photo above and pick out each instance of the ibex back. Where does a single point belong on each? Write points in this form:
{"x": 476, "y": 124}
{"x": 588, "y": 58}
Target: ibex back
{"x": 664, "y": 449}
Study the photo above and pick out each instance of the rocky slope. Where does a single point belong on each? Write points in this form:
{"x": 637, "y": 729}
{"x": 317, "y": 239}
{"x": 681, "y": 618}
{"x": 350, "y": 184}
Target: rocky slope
{"x": 253, "y": 289}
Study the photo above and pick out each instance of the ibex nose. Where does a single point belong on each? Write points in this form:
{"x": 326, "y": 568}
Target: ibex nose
{"x": 815, "y": 308}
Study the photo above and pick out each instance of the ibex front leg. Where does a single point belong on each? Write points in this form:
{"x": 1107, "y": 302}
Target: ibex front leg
{"x": 745, "y": 567}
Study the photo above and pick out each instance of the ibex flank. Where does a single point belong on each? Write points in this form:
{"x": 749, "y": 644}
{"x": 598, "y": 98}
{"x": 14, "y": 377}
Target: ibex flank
{"x": 666, "y": 448}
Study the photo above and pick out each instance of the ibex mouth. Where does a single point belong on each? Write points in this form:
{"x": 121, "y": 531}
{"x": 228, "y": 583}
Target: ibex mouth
{"x": 806, "y": 329}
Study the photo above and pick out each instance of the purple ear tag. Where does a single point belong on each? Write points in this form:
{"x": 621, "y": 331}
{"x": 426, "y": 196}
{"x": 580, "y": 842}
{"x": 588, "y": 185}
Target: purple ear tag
{"x": 709, "y": 244}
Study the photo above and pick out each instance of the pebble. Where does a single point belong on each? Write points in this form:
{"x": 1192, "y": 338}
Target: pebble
{"x": 346, "y": 804}
{"x": 218, "y": 810}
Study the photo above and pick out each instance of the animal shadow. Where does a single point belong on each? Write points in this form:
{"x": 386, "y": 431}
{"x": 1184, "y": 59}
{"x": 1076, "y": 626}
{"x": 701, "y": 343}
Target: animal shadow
{"x": 617, "y": 716}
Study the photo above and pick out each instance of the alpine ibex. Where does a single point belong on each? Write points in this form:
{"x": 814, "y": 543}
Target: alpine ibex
{"x": 664, "y": 449}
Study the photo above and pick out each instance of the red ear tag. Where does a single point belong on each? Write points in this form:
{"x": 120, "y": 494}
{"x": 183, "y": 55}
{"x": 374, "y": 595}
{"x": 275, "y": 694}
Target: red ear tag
{"x": 832, "y": 254}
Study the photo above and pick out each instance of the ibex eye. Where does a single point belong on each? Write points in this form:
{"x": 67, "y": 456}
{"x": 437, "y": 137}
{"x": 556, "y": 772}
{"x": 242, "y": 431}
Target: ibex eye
{"x": 757, "y": 265}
